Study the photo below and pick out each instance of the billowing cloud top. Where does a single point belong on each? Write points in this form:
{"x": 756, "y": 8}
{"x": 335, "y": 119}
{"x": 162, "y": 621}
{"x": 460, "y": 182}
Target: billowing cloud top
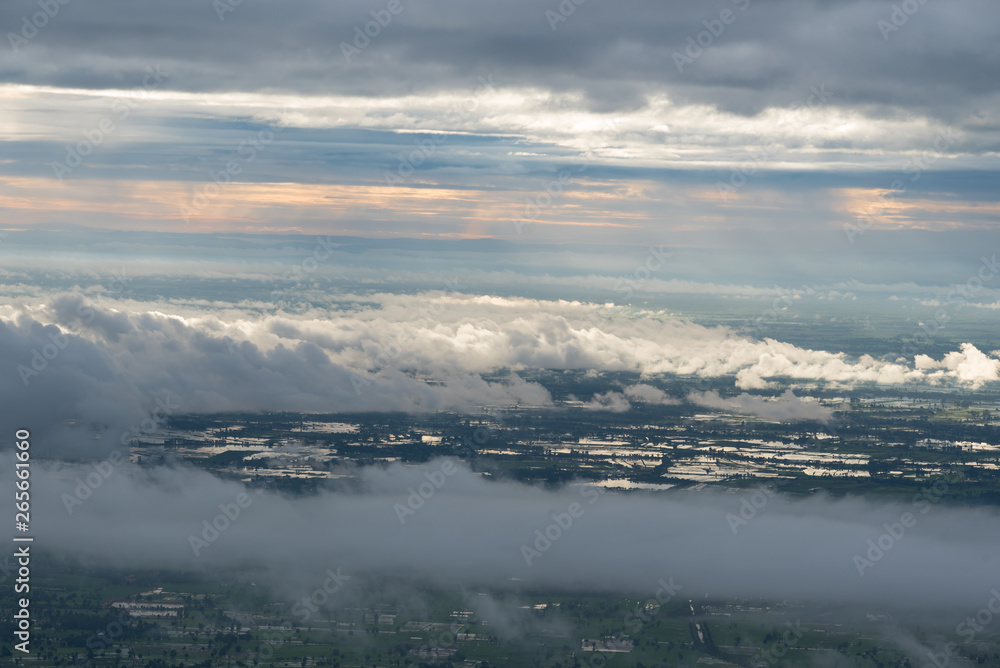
{"x": 88, "y": 369}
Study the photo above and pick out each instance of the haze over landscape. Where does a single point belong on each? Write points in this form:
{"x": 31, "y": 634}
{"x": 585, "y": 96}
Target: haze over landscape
{"x": 544, "y": 334}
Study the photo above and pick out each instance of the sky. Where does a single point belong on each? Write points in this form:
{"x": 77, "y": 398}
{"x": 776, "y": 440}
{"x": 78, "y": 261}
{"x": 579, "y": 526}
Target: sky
{"x": 540, "y": 122}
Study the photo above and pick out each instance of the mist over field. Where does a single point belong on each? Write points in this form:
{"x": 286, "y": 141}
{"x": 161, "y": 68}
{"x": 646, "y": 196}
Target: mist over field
{"x": 474, "y": 533}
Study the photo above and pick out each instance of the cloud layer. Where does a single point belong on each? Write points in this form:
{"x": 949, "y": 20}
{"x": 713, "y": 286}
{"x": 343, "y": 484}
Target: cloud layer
{"x": 89, "y": 370}
{"x": 442, "y": 524}
{"x": 811, "y": 113}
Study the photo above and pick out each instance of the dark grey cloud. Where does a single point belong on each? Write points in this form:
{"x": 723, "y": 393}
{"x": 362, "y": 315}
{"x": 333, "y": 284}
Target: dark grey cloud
{"x": 942, "y": 60}
{"x": 65, "y": 388}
